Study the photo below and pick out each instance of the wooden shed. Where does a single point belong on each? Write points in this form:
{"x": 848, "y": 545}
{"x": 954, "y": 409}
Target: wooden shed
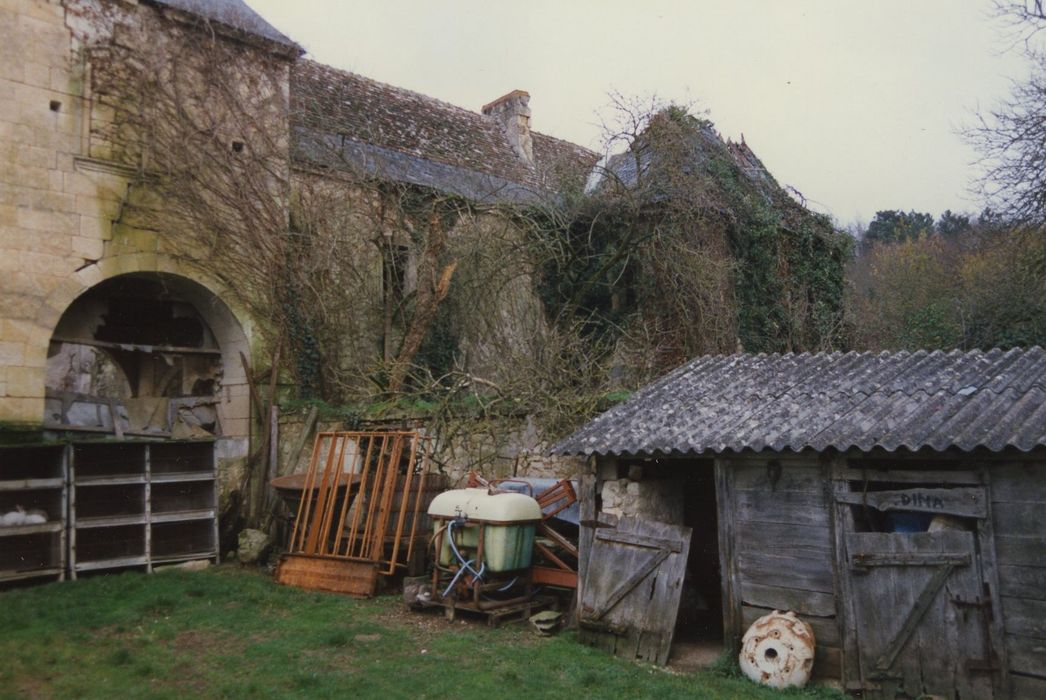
{"x": 894, "y": 501}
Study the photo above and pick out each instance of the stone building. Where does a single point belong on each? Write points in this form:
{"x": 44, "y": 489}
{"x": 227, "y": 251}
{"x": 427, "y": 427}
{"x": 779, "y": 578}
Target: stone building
{"x": 107, "y": 326}
{"x": 118, "y": 318}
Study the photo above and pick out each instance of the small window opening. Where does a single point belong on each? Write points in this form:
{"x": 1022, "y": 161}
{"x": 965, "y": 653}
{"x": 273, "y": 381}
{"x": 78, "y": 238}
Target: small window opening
{"x": 237, "y": 146}
{"x": 55, "y": 105}
{"x": 868, "y": 518}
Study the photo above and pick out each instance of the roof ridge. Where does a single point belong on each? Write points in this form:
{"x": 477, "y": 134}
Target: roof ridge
{"x": 481, "y": 118}
{"x": 397, "y": 88}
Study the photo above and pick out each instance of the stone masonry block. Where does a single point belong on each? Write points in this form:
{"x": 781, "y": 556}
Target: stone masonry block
{"x": 89, "y": 276}
{"x": 25, "y": 381}
{"x": 12, "y": 353}
{"x": 21, "y": 410}
{"x": 88, "y": 248}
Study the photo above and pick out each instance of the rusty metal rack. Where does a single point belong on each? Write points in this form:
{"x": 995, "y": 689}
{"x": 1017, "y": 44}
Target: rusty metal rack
{"x": 361, "y": 512}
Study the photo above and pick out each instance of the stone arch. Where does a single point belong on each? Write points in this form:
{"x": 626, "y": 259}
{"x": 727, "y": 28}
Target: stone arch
{"x": 229, "y": 327}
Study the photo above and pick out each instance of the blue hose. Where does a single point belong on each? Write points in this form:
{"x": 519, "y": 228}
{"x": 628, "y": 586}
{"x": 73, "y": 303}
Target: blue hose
{"x": 465, "y": 565}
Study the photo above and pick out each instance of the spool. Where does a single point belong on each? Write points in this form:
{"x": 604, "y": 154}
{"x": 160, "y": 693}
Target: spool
{"x": 778, "y": 651}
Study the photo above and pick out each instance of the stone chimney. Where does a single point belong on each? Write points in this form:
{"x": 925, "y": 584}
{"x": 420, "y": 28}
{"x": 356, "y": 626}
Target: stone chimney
{"x": 512, "y": 112}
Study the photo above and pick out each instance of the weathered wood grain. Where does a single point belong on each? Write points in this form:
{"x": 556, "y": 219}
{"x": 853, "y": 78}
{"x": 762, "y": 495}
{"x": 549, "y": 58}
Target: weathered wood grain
{"x": 1013, "y": 550}
{"x": 990, "y": 573}
{"x": 802, "y": 540}
{"x": 1027, "y": 655}
{"x": 631, "y": 591}
{"x": 841, "y": 523}
{"x": 787, "y": 508}
{"x": 909, "y": 476}
{"x": 905, "y": 615}
{"x": 1023, "y": 582}
{"x": 1025, "y": 617}
{"x": 1028, "y": 686}
{"x": 780, "y": 598}
{"x": 1019, "y": 483}
{"x": 826, "y": 629}
{"x": 731, "y": 583}
{"x": 780, "y": 569}
{"x": 967, "y": 502}
{"x": 756, "y": 477}
{"x": 1020, "y": 519}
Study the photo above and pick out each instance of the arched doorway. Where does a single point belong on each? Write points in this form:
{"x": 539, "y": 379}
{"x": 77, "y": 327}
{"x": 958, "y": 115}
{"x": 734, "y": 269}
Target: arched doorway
{"x": 150, "y": 355}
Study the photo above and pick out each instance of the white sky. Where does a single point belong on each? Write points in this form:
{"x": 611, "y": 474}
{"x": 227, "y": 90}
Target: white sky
{"x": 856, "y": 104}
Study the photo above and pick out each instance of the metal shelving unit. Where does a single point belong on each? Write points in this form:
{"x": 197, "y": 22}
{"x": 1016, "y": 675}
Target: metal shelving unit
{"x": 33, "y": 477}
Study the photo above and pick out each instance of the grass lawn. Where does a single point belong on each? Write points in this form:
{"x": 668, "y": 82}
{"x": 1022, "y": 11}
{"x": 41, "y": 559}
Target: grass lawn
{"x": 229, "y": 632}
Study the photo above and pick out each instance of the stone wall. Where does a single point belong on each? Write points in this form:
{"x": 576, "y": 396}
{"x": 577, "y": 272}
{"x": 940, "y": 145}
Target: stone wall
{"x": 640, "y": 495}
{"x": 63, "y": 228}
{"x": 512, "y": 448}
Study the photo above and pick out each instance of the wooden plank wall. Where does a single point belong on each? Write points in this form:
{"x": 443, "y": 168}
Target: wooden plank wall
{"x": 1018, "y": 495}
{"x": 783, "y": 549}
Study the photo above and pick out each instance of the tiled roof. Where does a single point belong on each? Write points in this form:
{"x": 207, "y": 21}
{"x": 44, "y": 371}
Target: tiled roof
{"x": 341, "y": 119}
{"x": 232, "y": 13}
{"x": 912, "y": 400}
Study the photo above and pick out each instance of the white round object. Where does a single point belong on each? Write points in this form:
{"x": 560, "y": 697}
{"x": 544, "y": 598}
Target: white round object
{"x": 778, "y": 651}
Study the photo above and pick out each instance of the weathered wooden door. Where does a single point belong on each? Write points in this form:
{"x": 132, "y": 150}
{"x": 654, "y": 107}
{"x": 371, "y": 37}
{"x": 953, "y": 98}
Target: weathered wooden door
{"x": 918, "y": 603}
{"x": 630, "y": 594}
{"x": 919, "y": 606}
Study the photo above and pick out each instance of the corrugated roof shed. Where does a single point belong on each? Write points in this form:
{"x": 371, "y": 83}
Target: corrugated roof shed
{"x": 344, "y": 120}
{"x": 232, "y": 13}
{"x": 912, "y": 400}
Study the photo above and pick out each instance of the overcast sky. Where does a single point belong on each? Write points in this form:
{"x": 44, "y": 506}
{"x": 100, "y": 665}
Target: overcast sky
{"x": 856, "y": 104}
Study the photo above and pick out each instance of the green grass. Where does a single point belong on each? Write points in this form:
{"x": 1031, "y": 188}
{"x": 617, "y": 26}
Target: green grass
{"x": 228, "y": 632}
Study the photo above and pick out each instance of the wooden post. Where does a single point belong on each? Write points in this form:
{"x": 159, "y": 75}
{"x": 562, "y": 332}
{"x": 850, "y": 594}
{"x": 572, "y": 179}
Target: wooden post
{"x": 731, "y": 583}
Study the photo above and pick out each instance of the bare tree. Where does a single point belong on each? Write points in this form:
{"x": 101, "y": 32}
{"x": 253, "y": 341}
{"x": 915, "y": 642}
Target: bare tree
{"x": 1012, "y": 136}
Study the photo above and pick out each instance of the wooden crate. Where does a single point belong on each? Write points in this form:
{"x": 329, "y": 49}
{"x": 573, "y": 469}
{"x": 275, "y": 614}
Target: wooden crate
{"x": 356, "y": 578}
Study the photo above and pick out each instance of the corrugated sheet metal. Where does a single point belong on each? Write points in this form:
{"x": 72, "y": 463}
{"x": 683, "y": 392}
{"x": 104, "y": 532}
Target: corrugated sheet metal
{"x": 914, "y": 400}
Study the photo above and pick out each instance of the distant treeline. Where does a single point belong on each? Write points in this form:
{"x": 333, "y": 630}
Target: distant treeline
{"x": 960, "y": 281}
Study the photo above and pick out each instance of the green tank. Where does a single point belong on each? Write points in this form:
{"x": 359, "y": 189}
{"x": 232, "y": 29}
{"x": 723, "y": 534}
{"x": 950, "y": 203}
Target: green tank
{"x": 506, "y": 521}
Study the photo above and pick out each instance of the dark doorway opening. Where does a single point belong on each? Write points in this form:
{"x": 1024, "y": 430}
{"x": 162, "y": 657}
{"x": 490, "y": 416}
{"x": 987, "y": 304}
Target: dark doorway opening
{"x": 699, "y": 627}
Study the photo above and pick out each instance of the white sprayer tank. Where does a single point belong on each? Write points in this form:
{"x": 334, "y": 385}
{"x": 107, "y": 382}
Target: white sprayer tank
{"x": 507, "y": 519}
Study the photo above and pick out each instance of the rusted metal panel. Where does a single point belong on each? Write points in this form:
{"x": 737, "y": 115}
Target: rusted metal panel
{"x": 325, "y": 574}
{"x": 362, "y": 499}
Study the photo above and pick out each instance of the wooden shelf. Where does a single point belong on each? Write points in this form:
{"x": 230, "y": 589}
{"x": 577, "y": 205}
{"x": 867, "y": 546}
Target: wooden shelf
{"x": 110, "y": 521}
{"x": 35, "y": 529}
{"x": 29, "y": 484}
{"x": 190, "y": 556}
{"x": 110, "y": 480}
{"x": 17, "y": 575}
{"x": 172, "y": 485}
{"x": 34, "y": 477}
{"x": 117, "y": 563}
{"x": 175, "y": 477}
{"x": 182, "y": 516}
